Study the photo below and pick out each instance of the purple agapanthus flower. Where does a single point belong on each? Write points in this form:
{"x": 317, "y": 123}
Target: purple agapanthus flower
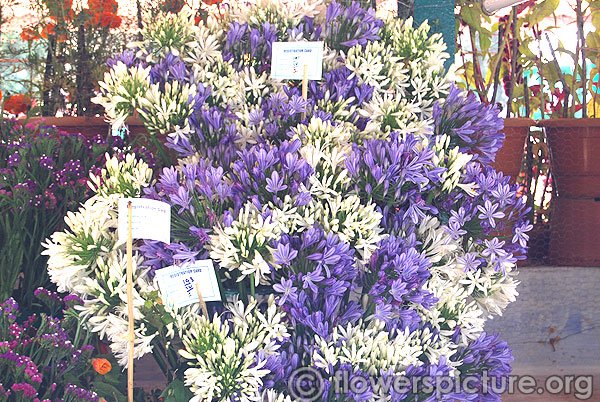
{"x": 475, "y": 127}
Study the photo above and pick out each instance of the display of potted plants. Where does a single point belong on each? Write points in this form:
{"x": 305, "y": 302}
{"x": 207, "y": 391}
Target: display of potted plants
{"x": 367, "y": 231}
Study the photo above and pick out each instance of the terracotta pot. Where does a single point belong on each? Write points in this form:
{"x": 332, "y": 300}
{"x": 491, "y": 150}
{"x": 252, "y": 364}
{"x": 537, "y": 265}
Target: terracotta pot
{"x": 509, "y": 158}
{"x": 575, "y": 165}
{"x": 88, "y": 126}
{"x": 574, "y": 155}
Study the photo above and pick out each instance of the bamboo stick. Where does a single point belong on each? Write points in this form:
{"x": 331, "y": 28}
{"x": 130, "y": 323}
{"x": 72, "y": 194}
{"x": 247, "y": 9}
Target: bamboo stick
{"x": 131, "y": 335}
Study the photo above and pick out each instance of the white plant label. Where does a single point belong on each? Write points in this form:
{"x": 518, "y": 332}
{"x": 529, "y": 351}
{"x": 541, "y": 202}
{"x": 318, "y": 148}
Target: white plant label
{"x": 289, "y": 58}
{"x": 178, "y": 284}
{"x": 150, "y": 219}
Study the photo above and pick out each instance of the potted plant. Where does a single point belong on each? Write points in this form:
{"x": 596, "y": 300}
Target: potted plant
{"x": 475, "y": 34}
{"x": 573, "y": 135}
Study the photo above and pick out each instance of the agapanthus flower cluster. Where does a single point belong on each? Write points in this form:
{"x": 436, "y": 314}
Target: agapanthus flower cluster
{"x": 367, "y": 211}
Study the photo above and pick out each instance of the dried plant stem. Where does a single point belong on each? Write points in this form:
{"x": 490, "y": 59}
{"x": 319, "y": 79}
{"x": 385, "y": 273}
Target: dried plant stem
{"x": 462, "y": 55}
{"x": 513, "y": 62}
{"x": 581, "y": 45}
{"x": 541, "y": 70}
{"x": 526, "y": 95}
{"x": 479, "y": 85}
{"x": 501, "y": 41}
{"x": 561, "y": 77}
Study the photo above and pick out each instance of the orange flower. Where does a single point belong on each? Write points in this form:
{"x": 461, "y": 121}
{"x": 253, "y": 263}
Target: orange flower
{"x": 107, "y": 19}
{"x": 29, "y": 34}
{"x": 50, "y": 29}
{"x": 103, "y": 5}
{"x": 102, "y": 366}
{"x": 17, "y": 104}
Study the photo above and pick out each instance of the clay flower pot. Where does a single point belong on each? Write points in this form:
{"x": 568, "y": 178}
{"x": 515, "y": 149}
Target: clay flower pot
{"x": 509, "y": 158}
{"x": 88, "y": 126}
{"x": 575, "y": 165}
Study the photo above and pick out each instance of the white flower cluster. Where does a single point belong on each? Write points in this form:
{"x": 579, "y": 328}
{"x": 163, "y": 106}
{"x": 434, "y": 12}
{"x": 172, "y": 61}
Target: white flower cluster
{"x": 374, "y": 350}
{"x": 86, "y": 259}
{"x": 122, "y": 90}
{"x": 243, "y": 246}
{"x": 223, "y": 355}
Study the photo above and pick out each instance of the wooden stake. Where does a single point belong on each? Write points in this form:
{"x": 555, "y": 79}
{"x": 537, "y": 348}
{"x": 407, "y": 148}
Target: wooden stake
{"x": 305, "y": 83}
{"x": 201, "y": 300}
{"x": 131, "y": 335}
{"x": 305, "y": 87}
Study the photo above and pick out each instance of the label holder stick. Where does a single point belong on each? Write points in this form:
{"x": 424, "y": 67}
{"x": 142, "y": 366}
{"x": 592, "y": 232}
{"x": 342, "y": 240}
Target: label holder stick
{"x": 305, "y": 87}
{"x": 131, "y": 334}
{"x": 201, "y": 301}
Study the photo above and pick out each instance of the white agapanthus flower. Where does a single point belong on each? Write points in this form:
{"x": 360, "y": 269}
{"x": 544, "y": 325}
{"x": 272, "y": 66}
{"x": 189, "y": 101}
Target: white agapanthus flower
{"x": 374, "y": 350}
{"x": 355, "y": 223}
{"x": 123, "y": 178}
{"x": 174, "y": 33}
{"x": 121, "y": 91}
{"x": 283, "y": 13}
{"x": 243, "y": 247}
{"x": 388, "y": 113}
{"x": 222, "y": 355}
{"x": 86, "y": 259}
{"x": 375, "y": 65}
{"x": 165, "y": 110}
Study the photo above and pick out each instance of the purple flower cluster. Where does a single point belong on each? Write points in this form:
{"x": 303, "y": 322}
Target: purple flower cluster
{"x": 397, "y": 273}
{"x": 279, "y": 113}
{"x": 37, "y": 353}
{"x": 345, "y": 27}
{"x": 80, "y": 393}
{"x": 393, "y": 174}
{"x": 494, "y": 216}
{"x": 319, "y": 273}
{"x": 246, "y": 46}
{"x": 475, "y": 127}
{"x": 264, "y": 174}
{"x": 489, "y": 354}
{"x": 170, "y": 68}
{"x": 214, "y": 133}
{"x": 200, "y": 196}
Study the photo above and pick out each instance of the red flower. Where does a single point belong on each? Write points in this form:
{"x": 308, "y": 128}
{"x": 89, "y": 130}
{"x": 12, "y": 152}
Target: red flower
{"x": 211, "y": 2}
{"x": 106, "y": 19}
{"x": 103, "y": 5}
{"x": 29, "y": 34}
{"x": 17, "y": 104}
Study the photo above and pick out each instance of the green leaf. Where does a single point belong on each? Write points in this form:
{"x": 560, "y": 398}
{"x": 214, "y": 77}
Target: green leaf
{"x": 176, "y": 392}
{"x": 592, "y": 44}
{"x": 471, "y": 15}
{"x": 109, "y": 392}
{"x": 541, "y": 11}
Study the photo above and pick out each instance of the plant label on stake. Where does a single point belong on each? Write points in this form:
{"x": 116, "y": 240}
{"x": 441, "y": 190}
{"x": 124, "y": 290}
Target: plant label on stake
{"x": 151, "y": 219}
{"x": 297, "y": 61}
{"x": 142, "y": 219}
{"x": 191, "y": 283}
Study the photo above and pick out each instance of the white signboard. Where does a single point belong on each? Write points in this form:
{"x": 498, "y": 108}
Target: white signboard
{"x": 150, "y": 219}
{"x": 289, "y": 58}
{"x": 178, "y": 284}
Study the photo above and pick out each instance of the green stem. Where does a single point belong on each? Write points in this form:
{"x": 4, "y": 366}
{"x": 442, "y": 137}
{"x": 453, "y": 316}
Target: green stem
{"x": 252, "y": 290}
